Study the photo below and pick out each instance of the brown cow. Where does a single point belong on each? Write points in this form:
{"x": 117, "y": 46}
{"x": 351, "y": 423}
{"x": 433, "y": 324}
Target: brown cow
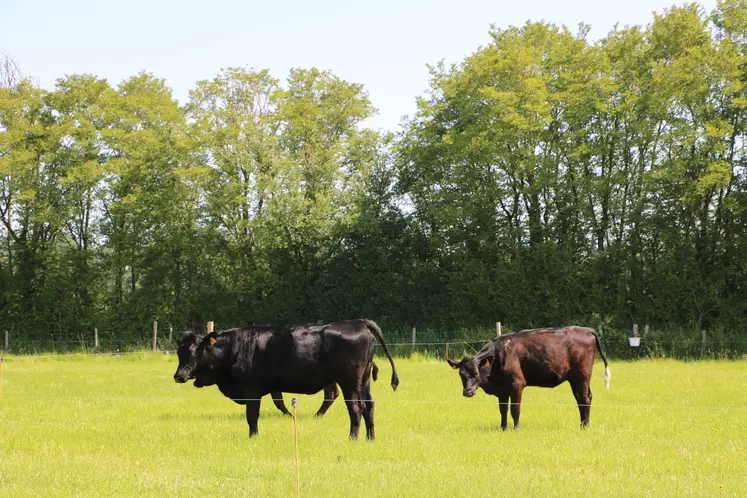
{"x": 539, "y": 357}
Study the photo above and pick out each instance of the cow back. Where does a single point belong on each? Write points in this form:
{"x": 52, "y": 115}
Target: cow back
{"x": 298, "y": 359}
{"x": 543, "y": 357}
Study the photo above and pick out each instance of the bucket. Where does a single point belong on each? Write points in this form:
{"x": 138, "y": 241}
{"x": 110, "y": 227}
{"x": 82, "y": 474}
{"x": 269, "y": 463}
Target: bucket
{"x": 634, "y": 341}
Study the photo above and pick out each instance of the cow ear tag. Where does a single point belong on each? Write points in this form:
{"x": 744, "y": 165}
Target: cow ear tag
{"x": 487, "y": 363}
{"x": 212, "y": 340}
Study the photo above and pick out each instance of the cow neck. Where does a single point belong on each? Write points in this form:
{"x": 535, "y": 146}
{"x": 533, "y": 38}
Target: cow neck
{"x": 488, "y": 351}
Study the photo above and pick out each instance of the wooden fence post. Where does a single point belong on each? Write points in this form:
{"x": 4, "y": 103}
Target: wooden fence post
{"x": 171, "y": 334}
{"x": 96, "y": 339}
{"x": 210, "y": 326}
{"x": 635, "y": 330}
{"x": 447, "y": 350}
{"x": 645, "y": 331}
{"x": 155, "y": 335}
{"x": 704, "y": 339}
{"x": 6, "y": 341}
{"x": 498, "y": 328}
{"x": 414, "y": 338}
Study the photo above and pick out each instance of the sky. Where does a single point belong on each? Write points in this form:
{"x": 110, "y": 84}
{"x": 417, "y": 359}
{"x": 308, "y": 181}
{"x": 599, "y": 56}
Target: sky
{"x": 383, "y": 44}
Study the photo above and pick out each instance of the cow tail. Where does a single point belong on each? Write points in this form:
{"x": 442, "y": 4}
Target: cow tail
{"x": 607, "y": 373}
{"x": 377, "y": 332}
{"x": 374, "y": 371}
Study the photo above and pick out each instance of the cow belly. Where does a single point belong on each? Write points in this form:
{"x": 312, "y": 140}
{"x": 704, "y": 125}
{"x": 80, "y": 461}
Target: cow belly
{"x": 301, "y": 379}
{"x": 547, "y": 383}
{"x": 544, "y": 379}
{"x": 300, "y": 386}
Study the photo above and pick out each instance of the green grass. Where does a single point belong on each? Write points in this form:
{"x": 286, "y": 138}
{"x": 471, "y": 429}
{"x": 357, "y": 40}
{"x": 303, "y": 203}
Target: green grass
{"x": 120, "y": 426}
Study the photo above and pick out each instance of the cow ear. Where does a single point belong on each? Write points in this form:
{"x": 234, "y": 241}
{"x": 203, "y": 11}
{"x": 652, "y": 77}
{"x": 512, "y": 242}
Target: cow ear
{"x": 189, "y": 338}
{"x": 453, "y": 363}
{"x": 485, "y": 361}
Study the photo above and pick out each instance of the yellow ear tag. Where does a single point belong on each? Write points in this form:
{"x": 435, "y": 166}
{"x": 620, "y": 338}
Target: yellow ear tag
{"x": 487, "y": 363}
{"x": 212, "y": 340}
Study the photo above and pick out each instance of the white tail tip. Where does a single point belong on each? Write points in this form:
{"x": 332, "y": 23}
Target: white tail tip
{"x": 607, "y": 377}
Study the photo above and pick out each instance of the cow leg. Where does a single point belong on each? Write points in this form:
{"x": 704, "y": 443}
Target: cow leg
{"x": 368, "y": 410}
{"x": 252, "y": 415}
{"x": 503, "y": 404}
{"x": 277, "y": 398}
{"x": 330, "y": 395}
{"x": 517, "y": 389}
{"x": 582, "y": 393}
{"x": 352, "y": 401}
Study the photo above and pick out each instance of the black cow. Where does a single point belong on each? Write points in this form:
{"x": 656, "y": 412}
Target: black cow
{"x": 249, "y": 363}
{"x": 539, "y": 357}
{"x": 190, "y": 342}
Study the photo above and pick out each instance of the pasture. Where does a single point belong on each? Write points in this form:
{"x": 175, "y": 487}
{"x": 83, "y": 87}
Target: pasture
{"x": 120, "y": 426}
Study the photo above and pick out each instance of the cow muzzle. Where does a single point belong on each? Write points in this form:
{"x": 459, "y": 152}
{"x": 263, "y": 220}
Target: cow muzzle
{"x": 181, "y": 377}
{"x": 469, "y": 392}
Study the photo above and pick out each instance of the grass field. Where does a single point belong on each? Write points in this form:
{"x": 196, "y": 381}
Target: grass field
{"x": 120, "y": 426}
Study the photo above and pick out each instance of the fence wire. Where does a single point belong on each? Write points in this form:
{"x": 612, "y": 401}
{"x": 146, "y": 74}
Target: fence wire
{"x": 614, "y": 348}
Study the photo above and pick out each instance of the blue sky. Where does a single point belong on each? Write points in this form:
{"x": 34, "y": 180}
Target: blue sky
{"x": 384, "y": 44}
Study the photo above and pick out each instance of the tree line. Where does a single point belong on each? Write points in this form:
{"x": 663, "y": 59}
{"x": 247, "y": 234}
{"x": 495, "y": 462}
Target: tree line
{"x": 545, "y": 179}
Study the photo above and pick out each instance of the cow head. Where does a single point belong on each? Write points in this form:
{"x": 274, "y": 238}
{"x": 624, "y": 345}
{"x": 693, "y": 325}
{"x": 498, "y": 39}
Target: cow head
{"x": 474, "y": 371}
{"x": 198, "y": 358}
{"x": 209, "y": 354}
{"x": 186, "y": 352}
